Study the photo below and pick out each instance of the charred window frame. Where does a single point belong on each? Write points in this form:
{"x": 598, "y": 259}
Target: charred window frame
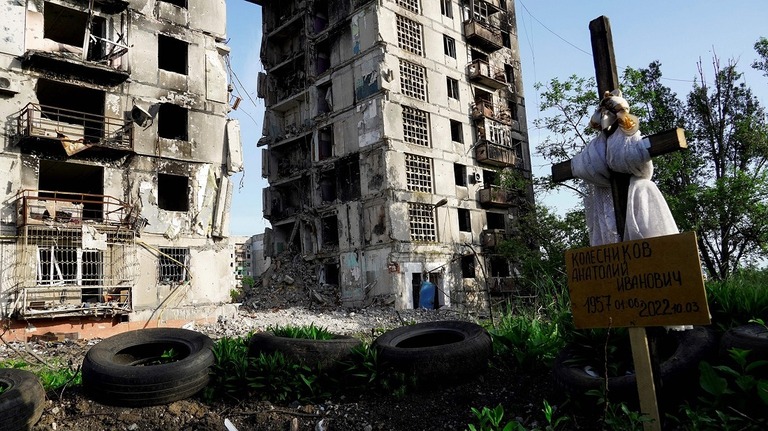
{"x": 329, "y": 226}
{"x": 172, "y": 265}
{"x": 172, "y": 54}
{"x": 173, "y": 122}
{"x": 172, "y": 192}
{"x": 465, "y": 220}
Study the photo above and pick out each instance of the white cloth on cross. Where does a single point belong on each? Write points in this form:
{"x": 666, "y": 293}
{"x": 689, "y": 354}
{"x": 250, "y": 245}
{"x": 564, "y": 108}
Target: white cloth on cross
{"x": 648, "y": 214}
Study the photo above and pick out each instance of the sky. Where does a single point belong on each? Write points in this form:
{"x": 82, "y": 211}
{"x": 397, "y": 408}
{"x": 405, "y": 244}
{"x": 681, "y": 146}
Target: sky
{"x": 554, "y": 43}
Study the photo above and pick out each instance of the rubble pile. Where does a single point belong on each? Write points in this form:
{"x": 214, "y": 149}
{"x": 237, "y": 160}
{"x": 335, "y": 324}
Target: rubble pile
{"x": 290, "y": 281}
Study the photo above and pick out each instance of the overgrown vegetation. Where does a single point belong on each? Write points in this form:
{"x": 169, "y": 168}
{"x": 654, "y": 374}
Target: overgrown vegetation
{"x": 54, "y": 376}
{"x": 310, "y": 332}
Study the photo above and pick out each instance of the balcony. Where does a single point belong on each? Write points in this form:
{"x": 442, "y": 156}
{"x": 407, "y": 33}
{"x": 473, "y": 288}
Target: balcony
{"x": 482, "y": 35}
{"x": 39, "y": 126}
{"x": 495, "y": 196}
{"x": 483, "y": 73}
{"x": 492, "y": 238}
{"x": 66, "y": 209}
{"x": 485, "y": 109}
{"x": 495, "y": 155}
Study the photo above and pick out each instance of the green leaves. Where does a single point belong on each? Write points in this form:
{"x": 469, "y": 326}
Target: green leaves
{"x": 310, "y": 332}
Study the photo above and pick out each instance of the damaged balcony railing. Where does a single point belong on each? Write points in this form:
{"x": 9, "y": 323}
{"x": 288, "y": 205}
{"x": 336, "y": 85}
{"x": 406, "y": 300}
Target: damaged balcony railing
{"x": 76, "y": 131}
{"x": 481, "y": 71}
{"x": 40, "y": 207}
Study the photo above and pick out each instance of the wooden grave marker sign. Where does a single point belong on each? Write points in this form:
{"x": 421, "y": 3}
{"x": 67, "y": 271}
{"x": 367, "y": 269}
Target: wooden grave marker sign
{"x": 659, "y": 252}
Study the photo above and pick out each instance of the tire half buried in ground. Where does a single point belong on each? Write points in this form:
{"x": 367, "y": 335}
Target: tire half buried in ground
{"x": 148, "y": 367}
{"x": 316, "y": 354}
{"x": 21, "y": 401}
{"x": 436, "y": 352}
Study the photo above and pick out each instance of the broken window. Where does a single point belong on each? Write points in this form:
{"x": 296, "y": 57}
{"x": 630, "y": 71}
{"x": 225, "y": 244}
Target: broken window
{"x": 468, "y": 266}
{"x": 325, "y": 143}
{"x": 172, "y": 122}
{"x": 327, "y": 184}
{"x": 412, "y": 80}
{"x": 465, "y": 221}
{"x": 449, "y": 46}
{"x": 348, "y": 177}
{"x": 418, "y": 173}
{"x": 329, "y": 231}
{"x": 59, "y": 265}
{"x": 409, "y": 35}
{"x": 460, "y": 174}
{"x": 79, "y": 184}
{"x": 324, "y": 98}
{"x": 499, "y": 267}
{"x": 322, "y": 57}
{"x": 172, "y": 192}
{"x": 172, "y": 265}
{"x": 411, "y": 5}
{"x": 446, "y": 8}
{"x": 64, "y": 25}
{"x": 480, "y": 11}
{"x": 330, "y": 274}
{"x": 496, "y": 220}
{"x": 179, "y": 3}
{"x": 415, "y": 126}
{"x": 509, "y": 74}
{"x": 456, "y": 131}
{"x": 453, "y": 87}
{"x": 320, "y": 18}
{"x": 421, "y": 218}
{"x": 172, "y": 54}
{"x": 71, "y": 112}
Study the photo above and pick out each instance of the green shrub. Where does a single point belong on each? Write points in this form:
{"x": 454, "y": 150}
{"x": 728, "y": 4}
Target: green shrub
{"x": 739, "y": 299}
{"x": 533, "y": 341}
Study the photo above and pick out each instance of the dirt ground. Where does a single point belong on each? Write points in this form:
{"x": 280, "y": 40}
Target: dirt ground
{"x": 441, "y": 408}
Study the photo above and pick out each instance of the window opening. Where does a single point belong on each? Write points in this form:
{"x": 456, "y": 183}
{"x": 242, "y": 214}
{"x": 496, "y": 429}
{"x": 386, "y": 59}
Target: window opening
{"x": 480, "y": 11}
{"x": 449, "y": 46}
{"x": 329, "y": 231}
{"x": 327, "y": 185}
{"x": 460, "y": 174}
{"x": 418, "y": 173}
{"x": 77, "y": 112}
{"x": 509, "y": 74}
{"x": 499, "y": 267}
{"x": 409, "y": 35}
{"x": 465, "y": 220}
{"x": 412, "y": 81}
{"x": 64, "y": 25}
{"x": 348, "y": 177}
{"x": 453, "y": 88}
{"x": 506, "y": 40}
{"x": 496, "y": 220}
{"x": 322, "y": 57}
{"x": 416, "y": 279}
{"x": 325, "y": 143}
{"x": 456, "y": 131}
{"x": 478, "y": 55}
{"x": 415, "y": 126}
{"x": 324, "y": 99}
{"x": 421, "y": 218}
{"x": 179, "y": 3}
{"x": 411, "y": 5}
{"x": 330, "y": 274}
{"x": 468, "y": 266}
{"x": 489, "y": 177}
{"x": 446, "y": 8}
{"x": 69, "y": 182}
{"x": 172, "y": 265}
{"x": 172, "y": 192}
{"x": 172, "y": 54}
{"x": 172, "y": 122}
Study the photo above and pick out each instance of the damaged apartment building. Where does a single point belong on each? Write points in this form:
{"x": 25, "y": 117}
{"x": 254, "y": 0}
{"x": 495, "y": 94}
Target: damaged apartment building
{"x": 117, "y": 153}
{"x": 388, "y": 128}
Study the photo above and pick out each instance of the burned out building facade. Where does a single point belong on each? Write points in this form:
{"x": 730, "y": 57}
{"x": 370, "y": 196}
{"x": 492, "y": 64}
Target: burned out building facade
{"x": 388, "y": 127}
{"x": 116, "y": 158}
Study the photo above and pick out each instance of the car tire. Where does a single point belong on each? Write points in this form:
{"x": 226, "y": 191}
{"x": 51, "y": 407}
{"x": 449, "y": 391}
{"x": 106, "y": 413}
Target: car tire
{"x": 436, "y": 352}
{"x": 319, "y": 355}
{"x": 752, "y": 337}
{"x": 679, "y": 371}
{"x": 22, "y": 400}
{"x": 116, "y": 370}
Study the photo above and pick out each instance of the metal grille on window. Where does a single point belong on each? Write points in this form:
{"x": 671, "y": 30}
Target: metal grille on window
{"x": 415, "y": 126}
{"x": 172, "y": 265}
{"x": 409, "y": 35}
{"x": 422, "y": 222}
{"x": 418, "y": 173}
{"x": 412, "y": 82}
{"x": 411, "y": 5}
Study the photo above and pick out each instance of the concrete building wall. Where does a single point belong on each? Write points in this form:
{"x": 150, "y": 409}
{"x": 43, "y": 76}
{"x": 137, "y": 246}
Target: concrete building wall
{"x": 164, "y": 178}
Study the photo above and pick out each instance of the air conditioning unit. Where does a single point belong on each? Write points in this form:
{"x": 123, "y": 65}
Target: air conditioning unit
{"x": 478, "y": 177}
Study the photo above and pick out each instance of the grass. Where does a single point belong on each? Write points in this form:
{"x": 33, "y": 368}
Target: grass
{"x": 53, "y": 377}
{"x": 310, "y": 332}
{"x": 739, "y": 299}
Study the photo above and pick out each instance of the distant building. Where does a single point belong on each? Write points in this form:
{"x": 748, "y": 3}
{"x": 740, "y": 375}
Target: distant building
{"x": 116, "y": 156}
{"x": 387, "y": 126}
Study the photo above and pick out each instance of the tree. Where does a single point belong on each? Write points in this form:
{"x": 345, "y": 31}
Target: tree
{"x": 727, "y": 197}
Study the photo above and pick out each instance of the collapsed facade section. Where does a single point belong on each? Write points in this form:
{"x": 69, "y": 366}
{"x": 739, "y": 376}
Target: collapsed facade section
{"x": 389, "y": 126}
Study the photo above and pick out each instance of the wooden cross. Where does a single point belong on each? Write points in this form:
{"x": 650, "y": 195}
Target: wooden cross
{"x": 661, "y": 143}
